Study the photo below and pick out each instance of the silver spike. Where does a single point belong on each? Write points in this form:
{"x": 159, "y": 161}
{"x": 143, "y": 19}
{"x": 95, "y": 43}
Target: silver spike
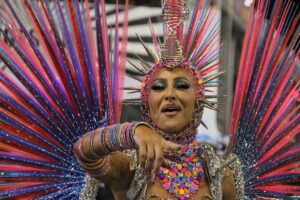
{"x": 209, "y": 105}
{"x": 212, "y": 85}
{"x": 132, "y": 88}
{"x": 214, "y": 96}
{"x": 142, "y": 71}
{"x": 133, "y": 92}
{"x": 212, "y": 77}
{"x": 201, "y": 122}
{"x": 150, "y": 52}
{"x": 135, "y": 77}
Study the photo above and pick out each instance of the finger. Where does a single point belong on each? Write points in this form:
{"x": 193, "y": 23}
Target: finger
{"x": 142, "y": 155}
{"x": 150, "y": 158}
{"x": 157, "y": 162}
{"x": 165, "y": 164}
{"x": 167, "y": 145}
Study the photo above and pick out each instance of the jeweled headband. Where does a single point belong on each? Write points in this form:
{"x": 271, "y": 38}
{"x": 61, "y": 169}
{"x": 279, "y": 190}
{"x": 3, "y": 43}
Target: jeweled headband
{"x": 192, "y": 45}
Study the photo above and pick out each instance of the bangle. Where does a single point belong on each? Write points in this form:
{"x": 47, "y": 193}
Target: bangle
{"x": 117, "y": 137}
{"x": 102, "y": 141}
{"x": 113, "y": 134}
{"x": 90, "y": 166}
{"x": 81, "y": 153}
{"x": 92, "y": 146}
{"x": 127, "y": 136}
{"x": 121, "y": 147}
{"x": 103, "y": 168}
{"x": 123, "y": 135}
{"x": 132, "y": 131}
{"x": 108, "y": 144}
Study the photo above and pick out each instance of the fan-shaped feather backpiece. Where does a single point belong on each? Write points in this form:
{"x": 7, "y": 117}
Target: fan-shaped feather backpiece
{"x": 67, "y": 85}
{"x": 266, "y": 119}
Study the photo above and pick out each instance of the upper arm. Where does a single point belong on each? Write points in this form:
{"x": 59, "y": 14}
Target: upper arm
{"x": 228, "y": 186}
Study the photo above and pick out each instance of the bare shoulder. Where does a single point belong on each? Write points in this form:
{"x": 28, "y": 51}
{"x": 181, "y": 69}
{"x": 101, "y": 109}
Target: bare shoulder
{"x": 228, "y": 185}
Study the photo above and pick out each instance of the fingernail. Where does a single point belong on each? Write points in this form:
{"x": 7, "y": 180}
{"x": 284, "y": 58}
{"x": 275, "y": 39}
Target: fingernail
{"x": 153, "y": 178}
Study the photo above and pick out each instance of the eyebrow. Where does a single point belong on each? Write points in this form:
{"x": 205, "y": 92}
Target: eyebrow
{"x": 181, "y": 78}
{"x": 164, "y": 79}
{"x": 157, "y": 80}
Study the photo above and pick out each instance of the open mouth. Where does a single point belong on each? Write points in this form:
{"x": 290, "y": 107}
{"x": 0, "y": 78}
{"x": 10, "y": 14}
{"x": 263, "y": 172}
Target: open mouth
{"x": 170, "y": 109}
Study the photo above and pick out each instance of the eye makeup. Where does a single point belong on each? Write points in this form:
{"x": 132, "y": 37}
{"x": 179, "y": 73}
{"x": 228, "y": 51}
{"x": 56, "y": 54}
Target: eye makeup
{"x": 180, "y": 83}
{"x": 158, "y": 85}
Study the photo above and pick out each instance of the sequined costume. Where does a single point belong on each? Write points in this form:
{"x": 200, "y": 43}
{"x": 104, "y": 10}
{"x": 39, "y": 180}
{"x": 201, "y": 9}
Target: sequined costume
{"x": 215, "y": 170}
{"x": 67, "y": 81}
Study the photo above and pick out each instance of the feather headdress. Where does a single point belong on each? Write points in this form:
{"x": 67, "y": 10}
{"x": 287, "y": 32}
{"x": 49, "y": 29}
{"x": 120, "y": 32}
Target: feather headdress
{"x": 191, "y": 42}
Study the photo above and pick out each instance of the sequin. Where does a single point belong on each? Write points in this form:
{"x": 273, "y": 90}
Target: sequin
{"x": 181, "y": 191}
{"x": 167, "y": 185}
{"x": 182, "y": 178}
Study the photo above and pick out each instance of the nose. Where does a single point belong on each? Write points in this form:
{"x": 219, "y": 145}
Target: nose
{"x": 170, "y": 94}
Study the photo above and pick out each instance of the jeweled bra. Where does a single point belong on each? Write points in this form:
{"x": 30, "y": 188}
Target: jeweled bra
{"x": 181, "y": 180}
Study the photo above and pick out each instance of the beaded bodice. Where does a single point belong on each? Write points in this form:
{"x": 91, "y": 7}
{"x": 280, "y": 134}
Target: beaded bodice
{"x": 214, "y": 164}
{"x": 182, "y": 178}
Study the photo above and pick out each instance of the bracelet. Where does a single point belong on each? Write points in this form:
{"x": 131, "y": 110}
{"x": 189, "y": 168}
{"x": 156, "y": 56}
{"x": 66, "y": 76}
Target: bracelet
{"x": 123, "y": 135}
{"x": 131, "y": 135}
{"x": 102, "y": 143}
{"x": 117, "y": 137}
{"x": 81, "y": 153}
{"x": 92, "y": 146}
{"x": 113, "y": 137}
{"x": 90, "y": 166}
{"x": 108, "y": 144}
{"x": 103, "y": 168}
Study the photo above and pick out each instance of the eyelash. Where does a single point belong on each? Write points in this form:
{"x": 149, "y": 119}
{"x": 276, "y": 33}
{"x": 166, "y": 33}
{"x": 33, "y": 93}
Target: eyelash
{"x": 158, "y": 87}
{"x": 182, "y": 86}
{"x": 179, "y": 86}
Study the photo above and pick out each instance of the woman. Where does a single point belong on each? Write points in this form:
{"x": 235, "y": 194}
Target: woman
{"x": 70, "y": 90}
{"x": 171, "y": 97}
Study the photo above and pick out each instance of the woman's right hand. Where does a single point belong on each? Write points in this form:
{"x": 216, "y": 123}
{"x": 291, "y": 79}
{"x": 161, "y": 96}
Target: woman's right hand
{"x": 150, "y": 149}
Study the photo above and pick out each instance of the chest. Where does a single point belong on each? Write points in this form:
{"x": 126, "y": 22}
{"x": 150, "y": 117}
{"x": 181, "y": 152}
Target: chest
{"x": 157, "y": 191}
{"x": 183, "y": 179}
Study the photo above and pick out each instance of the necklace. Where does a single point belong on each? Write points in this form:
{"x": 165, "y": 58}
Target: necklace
{"x": 186, "y": 171}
